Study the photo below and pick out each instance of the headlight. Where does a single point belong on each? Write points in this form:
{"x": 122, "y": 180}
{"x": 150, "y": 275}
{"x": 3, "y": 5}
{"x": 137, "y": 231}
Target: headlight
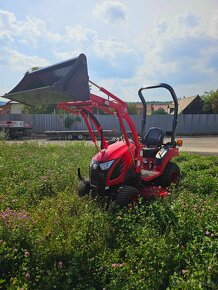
{"x": 106, "y": 165}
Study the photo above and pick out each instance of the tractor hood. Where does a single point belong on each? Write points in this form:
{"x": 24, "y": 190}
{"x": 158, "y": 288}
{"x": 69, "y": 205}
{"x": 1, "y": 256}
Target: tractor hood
{"x": 114, "y": 151}
{"x": 62, "y": 82}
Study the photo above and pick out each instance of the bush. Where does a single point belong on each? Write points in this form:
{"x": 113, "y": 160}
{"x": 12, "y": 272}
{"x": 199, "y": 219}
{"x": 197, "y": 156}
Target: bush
{"x": 3, "y": 134}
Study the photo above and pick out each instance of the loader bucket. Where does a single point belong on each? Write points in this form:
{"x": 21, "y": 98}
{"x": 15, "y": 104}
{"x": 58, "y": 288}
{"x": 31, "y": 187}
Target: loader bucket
{"x": 62, "y": 82}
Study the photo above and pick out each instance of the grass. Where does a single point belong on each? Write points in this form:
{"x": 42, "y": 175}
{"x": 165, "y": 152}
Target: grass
{"x": 52, "y": 239}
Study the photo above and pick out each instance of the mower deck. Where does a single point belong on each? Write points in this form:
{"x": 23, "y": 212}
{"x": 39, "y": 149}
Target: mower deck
{"x": 149, "y": 173}
{"x": 149, "y": 192}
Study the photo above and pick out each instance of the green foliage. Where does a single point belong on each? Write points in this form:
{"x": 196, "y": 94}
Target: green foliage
{"x": 132, "y": 108}
{"x": 34, "y": 68}
{"x": 159, "y": 111}
{"x": 50, "y": 238}
{"x": 41, "y": 109}
{"x": 210, "y": 102}
{"x": 70, "y": 120}
{"x": 3, "y": 134}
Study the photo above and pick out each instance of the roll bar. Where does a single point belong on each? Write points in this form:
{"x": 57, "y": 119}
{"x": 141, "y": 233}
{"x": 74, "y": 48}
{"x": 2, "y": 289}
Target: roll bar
{"x": 173, "y": 94}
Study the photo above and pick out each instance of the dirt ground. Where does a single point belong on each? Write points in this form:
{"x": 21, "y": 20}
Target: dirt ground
{"x": 207, "y": 145}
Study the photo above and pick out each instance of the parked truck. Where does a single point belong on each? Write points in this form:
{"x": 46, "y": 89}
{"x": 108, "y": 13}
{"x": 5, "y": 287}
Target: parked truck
{"x": 16, "y": 129}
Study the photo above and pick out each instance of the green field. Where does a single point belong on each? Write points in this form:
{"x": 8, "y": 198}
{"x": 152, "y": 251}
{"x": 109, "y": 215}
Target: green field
{"x": 52, "y": 239}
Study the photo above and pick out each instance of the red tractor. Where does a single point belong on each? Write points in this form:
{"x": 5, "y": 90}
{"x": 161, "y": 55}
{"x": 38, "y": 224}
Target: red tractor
{"x": 123, "y": 168}
{"x": 132, "y": 165}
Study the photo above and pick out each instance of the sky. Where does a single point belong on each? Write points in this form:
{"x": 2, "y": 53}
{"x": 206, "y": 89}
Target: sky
{"x": 128, "y": 43}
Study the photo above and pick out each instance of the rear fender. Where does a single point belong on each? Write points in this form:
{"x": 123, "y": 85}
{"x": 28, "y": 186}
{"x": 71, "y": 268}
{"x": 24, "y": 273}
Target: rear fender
{"x": 164, "y": 156}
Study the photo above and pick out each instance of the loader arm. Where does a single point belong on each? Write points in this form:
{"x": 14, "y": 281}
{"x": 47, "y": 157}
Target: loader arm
{"x": 113, "y": 106}
{"x": 67, "y": 82}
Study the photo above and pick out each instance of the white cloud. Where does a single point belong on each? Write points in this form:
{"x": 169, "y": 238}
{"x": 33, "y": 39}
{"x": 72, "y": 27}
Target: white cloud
{"x": 213, "y": 25}
{"x": 79, "y": 33}
{"x": 54, "y": 36}
{"x": 31, "y": 30}
{"x": 111, "y": 11}
{"x": 8, "y": 24}
{"x": 63, "y": 55}
{"x": 188, "y": 19}
{"x": 181, "y": 51}
{"x": 21, "y": 62}
{"x": 110, "y": 48}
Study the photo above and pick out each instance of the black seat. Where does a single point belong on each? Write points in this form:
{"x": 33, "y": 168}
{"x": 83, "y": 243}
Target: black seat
{"x": 153, "y": 139}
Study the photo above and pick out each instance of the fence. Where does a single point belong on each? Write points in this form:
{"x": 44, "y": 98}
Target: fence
{"x": 195, "y": 124}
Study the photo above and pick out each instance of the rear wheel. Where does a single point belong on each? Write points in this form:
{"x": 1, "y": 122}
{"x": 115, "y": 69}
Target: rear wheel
{"x": 170, "y": 175}
{"x": 84, "y": 187}
{"x": 80, "y": 137}
{"x": 127, "y": 195}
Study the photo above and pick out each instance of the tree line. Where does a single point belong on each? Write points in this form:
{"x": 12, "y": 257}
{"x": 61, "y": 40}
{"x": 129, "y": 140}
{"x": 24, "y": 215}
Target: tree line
{"x": 210, "y": 106}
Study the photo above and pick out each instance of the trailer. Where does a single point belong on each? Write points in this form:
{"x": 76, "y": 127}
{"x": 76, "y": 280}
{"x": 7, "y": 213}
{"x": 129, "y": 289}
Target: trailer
{"x": 16, "y": 129}
{"x": 77, "y": 134}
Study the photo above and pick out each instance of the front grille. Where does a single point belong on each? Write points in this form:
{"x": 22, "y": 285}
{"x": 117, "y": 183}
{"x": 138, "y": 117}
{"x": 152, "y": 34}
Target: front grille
{"x": 97, "y": 176}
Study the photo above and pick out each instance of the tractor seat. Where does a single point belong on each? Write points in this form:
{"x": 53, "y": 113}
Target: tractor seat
{"x": 153, "y": 139}
{"x": 150, "y": 152}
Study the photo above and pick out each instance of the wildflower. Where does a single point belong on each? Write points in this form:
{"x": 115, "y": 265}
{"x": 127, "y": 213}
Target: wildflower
{"x": 60, "y": 265}
{"x": 26, "y": 253}
{"x": 121, "y": 265}
{"x": 207, "y": 233}
{"x": 183, "y": 271}
{"x": 114, "y": 265}
{"x": 27, "y": 275}
{"x": 119, "y": 217}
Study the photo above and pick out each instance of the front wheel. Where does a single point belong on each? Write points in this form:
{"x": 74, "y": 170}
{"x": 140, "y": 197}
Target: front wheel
{"x": 170, "y": 175}
{"x": 127, "y": 195}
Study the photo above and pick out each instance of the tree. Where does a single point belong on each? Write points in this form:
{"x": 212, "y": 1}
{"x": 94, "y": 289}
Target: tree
{"x": 210, "y": 100}
{"x": 159, "y": 111}
{"x": 41, "y": 109}
{"x": 132, "y": 108}
{"x": 70, "y": 120}
{"x": 34, "y": 68}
